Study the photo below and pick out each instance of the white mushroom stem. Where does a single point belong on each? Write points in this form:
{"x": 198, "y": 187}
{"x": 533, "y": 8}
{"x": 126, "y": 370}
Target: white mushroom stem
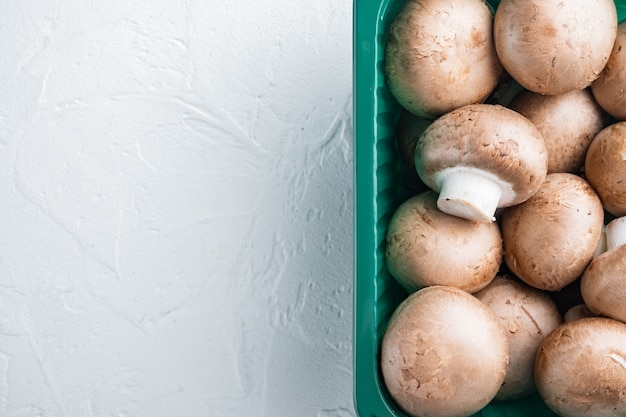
{"x": 616, "y": 233}
{"x": 468, "y": 193}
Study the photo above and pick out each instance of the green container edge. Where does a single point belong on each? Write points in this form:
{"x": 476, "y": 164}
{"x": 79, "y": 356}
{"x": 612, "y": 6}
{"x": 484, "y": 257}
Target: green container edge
{"x": 374, "y": 114}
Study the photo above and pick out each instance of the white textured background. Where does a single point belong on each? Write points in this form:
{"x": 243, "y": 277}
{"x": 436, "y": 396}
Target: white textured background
{"x": 175, "y": 208}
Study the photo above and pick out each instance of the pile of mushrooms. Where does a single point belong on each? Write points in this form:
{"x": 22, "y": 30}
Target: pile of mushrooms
{"x": 512, "y": 245}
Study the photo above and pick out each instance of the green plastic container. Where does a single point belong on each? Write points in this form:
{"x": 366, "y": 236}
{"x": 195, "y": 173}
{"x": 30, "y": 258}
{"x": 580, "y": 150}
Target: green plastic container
{"x": 379, "y": 178}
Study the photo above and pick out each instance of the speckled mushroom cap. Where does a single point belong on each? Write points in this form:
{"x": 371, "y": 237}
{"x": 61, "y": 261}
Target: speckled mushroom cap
{"x": 501, "y": 143}
{"x": 580, "y": 368}
{"x": 609, "y": 89}
{"x": 440, "y": 55}
{"x": 550, "y": 238}
{"x": 425, "y": 246}
{"x": 603, "y": 284}
{"x": 568, "y": 123}
{"x": 444, "y": 353}
{"x": 528, "y": 316}
{"x": 555, "y": 46}
{"x": 605, "y": 167}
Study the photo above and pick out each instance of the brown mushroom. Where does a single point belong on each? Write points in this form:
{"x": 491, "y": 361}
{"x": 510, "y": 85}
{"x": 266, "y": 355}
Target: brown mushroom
{"x": 580, "y": 368}
{"x": 480, "y": 157}
{"x": 425, "y": 246}
{"x": 555, "y": 46}
{"x": 550, "y": 238}
{"x": 579, "y": 311}
{"x": 440, "y": 55}
{"x": 609, "y": 88}
{"x": 444, "y": 353}
{"x": 568, "y": 123}
{"x": 603, "y": 284}
{"x": 528, "y": 315}
{"x": 605, "y": 167}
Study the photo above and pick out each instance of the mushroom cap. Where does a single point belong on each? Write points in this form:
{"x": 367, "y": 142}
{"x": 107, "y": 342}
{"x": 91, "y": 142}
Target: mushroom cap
{"x": 580, "y": 368}
{"x": 428, "y": 247}
{"x": 579, "y": 311}
{"x": 605, "y": 167}
{"x": 444, "y": 353}
{"x": 609, "y": 89}
{"x": 498, "y": 141}
{"x": 440, "y": 55}
{"x": 615, "y": 233}
{"x": 554, "y": 46}
{"x": 551, "y": 237}
{"x": 567, "y": 122}
{"x": 603, "y": 284}
{"x": 528, "y": 315}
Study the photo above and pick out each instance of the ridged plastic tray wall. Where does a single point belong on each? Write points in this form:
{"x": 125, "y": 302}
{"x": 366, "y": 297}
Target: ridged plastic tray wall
{"x": 379, "y": 189}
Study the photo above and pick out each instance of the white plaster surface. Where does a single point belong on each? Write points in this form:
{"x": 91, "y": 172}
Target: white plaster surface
{"x": 175, "y": 208}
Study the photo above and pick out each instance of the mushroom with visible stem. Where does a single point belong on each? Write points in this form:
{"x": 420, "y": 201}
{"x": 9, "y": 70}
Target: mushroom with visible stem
{"x": 546, "y": 45}
{"x": 580, "y": 368}
{"x": 605, "y": 167}
{"x": 425, "y": 247}
{"x": 603, "y": 284}
{"x": 568, "y": 123}
{"x": 440, "y": 55}
{"x": 481, "y": 157}
{"x": 528, "y": 315}
{"x": 550, "y": 238}
{"x": 443, "y": 353}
